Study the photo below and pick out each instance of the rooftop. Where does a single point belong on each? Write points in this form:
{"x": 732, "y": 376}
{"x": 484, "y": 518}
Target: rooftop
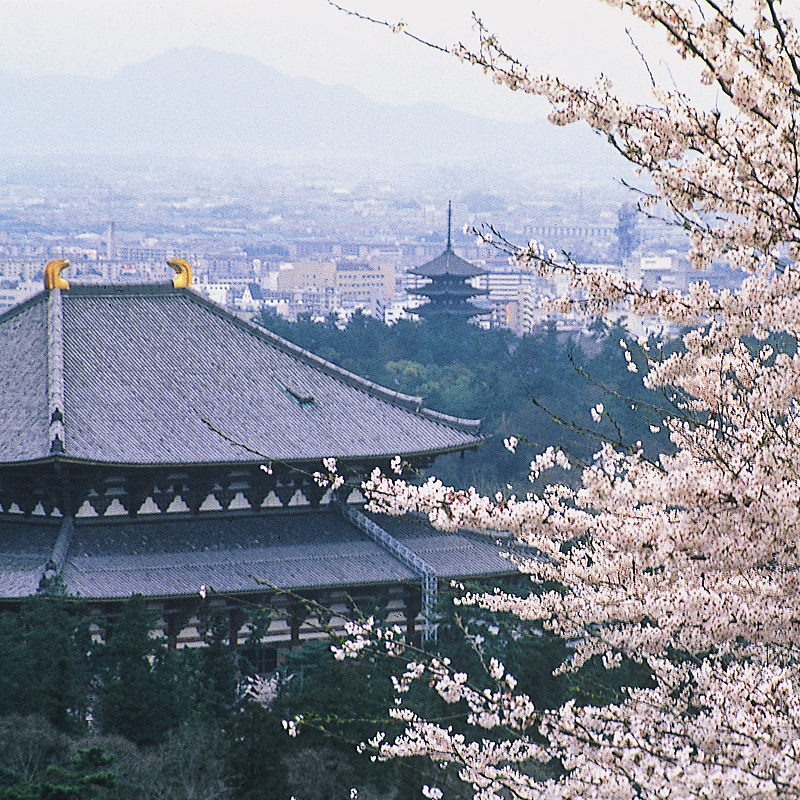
{"x": 157, "y": 375}
{"x": 448, "y": 263}
{"x": 173, "y": 556}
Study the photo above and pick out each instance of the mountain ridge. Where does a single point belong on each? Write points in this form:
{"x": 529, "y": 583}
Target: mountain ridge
{"x": 196, "y": 101}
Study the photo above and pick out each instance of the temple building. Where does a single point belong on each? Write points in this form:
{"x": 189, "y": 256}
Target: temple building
{"x": 447, "y": 285}
{"x": 154, "y": 443}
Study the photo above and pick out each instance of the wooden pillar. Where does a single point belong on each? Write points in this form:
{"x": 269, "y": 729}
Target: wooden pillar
{"x": 297, "y": 615}
{"x": 176, "y": 618}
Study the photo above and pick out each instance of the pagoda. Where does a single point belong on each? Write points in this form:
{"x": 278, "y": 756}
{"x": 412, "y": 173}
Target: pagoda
{"x": 155, "y": 444}
{"x": 448, "y": 286}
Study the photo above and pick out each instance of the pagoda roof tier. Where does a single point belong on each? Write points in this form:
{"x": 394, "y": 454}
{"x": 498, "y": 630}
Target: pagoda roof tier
{"x": 466, "y": 310}
{"x": 448, "y": 291}
{"x": 448, "y": 263}
{"x": 153, "y": 375}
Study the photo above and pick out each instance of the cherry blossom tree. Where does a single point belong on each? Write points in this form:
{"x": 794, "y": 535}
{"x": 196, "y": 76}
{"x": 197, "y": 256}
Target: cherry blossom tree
{"x": 687, "y": 564}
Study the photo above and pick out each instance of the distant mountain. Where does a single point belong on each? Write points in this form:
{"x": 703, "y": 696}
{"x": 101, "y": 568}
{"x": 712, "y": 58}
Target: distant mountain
{"x": 195, "y": 101}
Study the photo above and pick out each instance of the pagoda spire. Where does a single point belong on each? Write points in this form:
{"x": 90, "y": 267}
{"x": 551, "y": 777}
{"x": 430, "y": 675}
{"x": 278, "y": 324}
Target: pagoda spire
{"x": 449, "y": 222}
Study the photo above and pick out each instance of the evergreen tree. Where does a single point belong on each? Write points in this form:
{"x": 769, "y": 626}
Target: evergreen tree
{"x": 216, "y": 670}
{"x": 45, "y": 648}
{"x": 87, "y": 777}
{"x": 141, "y": 694}
{"x": 255, "y": 739}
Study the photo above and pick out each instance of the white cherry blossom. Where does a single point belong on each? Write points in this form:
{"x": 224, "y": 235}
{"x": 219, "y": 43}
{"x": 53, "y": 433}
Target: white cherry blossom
{"x": 689, "y": 563}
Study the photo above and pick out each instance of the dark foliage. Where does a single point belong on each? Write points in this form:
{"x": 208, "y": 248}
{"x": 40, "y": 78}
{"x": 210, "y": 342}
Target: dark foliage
{"x": 215, "y": 670}
{"x": 539, "y": 388}
{"x": 255, "y": 739}
{"x": 141, "y": 692}
{"x": 46, "y": 669}
{"x": 87, "y": 776}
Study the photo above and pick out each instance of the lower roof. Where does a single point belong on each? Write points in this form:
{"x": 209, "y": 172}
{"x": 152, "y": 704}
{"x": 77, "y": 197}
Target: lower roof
{"x": 233, "y": 553}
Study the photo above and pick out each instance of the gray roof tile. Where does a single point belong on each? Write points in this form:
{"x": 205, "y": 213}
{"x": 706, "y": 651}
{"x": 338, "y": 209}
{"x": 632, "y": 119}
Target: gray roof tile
{"x": 464, "y": 554}
{"x": 448, "y": 263}
{"x": 156, "y": 375}
{"x": 161, "y": 557}
{"x": 25, "y": 548}
{"x": 23, "y": 387}
{"x": 304, "y": 549}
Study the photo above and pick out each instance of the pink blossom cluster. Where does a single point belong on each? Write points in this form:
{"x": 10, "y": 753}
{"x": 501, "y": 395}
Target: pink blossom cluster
{"x": 689, "y": 563}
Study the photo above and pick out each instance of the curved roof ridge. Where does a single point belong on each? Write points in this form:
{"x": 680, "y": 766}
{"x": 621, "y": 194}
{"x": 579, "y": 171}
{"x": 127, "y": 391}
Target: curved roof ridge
{"x": 154, "y": 351}
{"x": 55, "y": 372}
{"x": 467, "y": 425}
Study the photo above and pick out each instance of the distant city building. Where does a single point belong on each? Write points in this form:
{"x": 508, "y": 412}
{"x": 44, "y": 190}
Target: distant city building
{"x": 300, "y": 249}
{"x": 661, "y": 272}
{"x": 11, "y": 295}
{"x": 218, "y": 292}
{"x": 144, "y": 253}
{"x": 251, "y": 298}
{"x": 401, "y": 309}
{"x": 369, "y": 284}
{"x": 300, "y": 274}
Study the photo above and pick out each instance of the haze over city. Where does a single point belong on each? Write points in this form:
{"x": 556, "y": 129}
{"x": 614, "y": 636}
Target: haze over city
{"x": 232, "y": 133}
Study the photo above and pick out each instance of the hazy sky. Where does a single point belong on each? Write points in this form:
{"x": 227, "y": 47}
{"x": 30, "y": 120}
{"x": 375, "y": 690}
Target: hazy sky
{"x": 579, "y": 38}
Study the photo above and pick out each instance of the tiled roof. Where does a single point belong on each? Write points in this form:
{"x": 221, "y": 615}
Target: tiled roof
{"x": 448, "y": 292}
{"x": 448, "y": 263}
{"x": 23, "y": 386}
{"x": 463, "y": 554}
{"x": 25, "y": 548}
{"x": 174, "y": 556}
{"x": 152, "y": 375}
{"x": 169, "y": 557}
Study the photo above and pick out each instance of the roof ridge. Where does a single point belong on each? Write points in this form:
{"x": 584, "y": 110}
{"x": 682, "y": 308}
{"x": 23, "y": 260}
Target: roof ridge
{"x": 53, "y": 362}
{"x": 412, "y": 403}
{"x": 467, "y": 425}
{"x": 448, "y": 258}
{"x": 55, "y": 372}
{"x": 55, "y": 564}
{"x": 155, "y": 287}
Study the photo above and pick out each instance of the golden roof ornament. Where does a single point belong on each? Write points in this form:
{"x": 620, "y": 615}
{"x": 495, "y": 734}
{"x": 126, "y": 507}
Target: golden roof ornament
{"x": 184, "y": 277}
{"x": 52, "y": 274}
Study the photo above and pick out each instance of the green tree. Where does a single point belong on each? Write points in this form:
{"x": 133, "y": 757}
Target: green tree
{"x": 215, "y": 669}
{"x": 142, "y": 693}
{"x": 255, "y": 739}
{"x": 45, "y": 650}
{"x": 88, "y": 776}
